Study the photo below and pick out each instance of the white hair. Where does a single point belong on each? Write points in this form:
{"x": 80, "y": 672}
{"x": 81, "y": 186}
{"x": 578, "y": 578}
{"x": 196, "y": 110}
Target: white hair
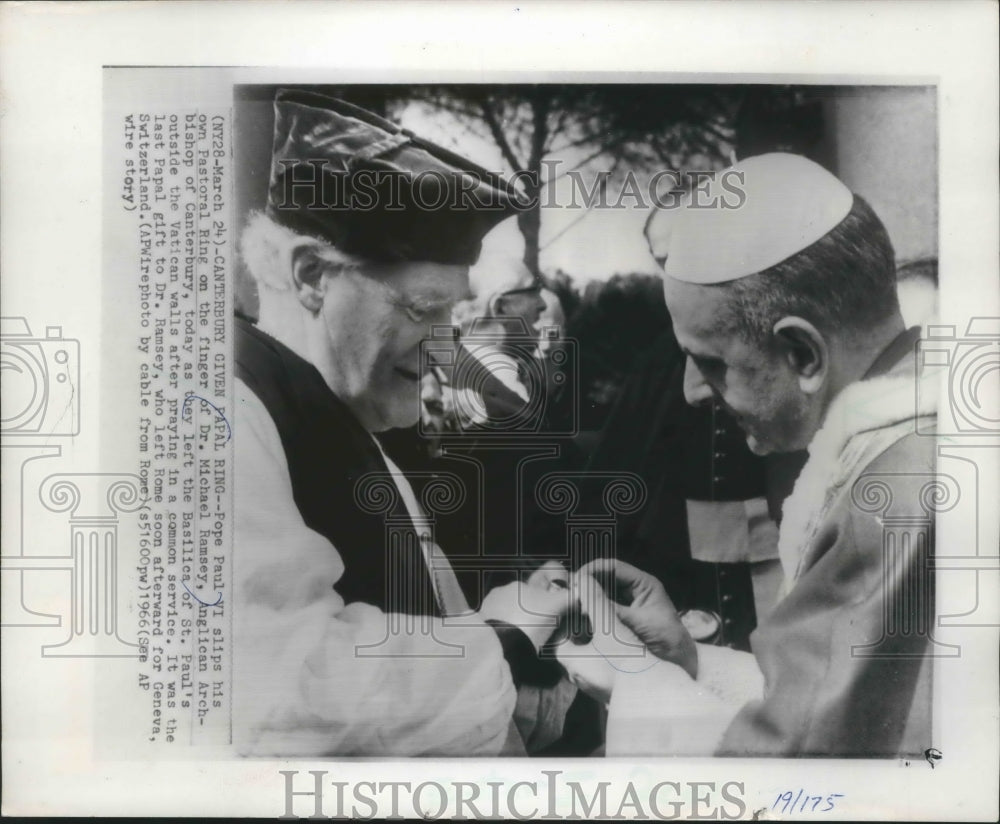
{"x": 266, "y": 249}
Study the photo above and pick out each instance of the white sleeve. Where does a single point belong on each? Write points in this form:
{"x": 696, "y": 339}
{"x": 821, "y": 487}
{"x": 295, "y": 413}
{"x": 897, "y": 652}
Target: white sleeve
{"x": 663, "y": 711}
{"x": 313, "y": 677}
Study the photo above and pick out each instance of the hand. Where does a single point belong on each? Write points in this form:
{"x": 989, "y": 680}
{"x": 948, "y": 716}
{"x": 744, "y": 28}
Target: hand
{"x": 532, "y": 608}
{"x": 612, "y": 647}
{"x": 644, "y": 607}
{"x": 587, "y": 669}
{"x": 550, "y": 576}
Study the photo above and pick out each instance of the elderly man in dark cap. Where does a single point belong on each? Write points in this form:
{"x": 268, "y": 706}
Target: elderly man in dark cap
{"x": 785, "y": 306}
{"x": 353, "y": 636}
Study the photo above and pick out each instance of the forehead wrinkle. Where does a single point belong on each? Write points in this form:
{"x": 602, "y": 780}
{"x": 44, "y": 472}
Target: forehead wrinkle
{"x": 431, "y": 280}
{"x": 438, "y": 294}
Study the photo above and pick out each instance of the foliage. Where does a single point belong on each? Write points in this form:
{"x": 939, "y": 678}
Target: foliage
{"x": 620, "y": 127}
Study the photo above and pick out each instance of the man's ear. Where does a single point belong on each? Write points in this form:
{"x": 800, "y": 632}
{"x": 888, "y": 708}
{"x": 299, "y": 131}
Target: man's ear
{"x": 499, "y": 305}
{"x": 308, "y": 268}
{"x": 805, "y": 351}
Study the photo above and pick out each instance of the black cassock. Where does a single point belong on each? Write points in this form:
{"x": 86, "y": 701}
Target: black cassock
{"x": 686, "y": 453}
{"x": 328, "y": 454}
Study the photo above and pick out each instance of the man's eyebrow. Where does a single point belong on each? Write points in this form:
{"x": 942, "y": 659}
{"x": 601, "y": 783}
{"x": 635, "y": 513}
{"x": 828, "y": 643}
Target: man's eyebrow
{"x": 436, "y": 297}
{"x": 429, "y": 301}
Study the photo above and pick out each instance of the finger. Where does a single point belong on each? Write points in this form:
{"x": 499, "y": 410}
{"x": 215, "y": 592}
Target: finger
{"x": 551, "y": 603}
{"x": 598, "y": 567}
{"x": 628, "y": 617}
{"x": 606, "y": 571}
{"x": 586, "y": 668}
{"x": 615, "y": 573}
{"x": 549, "y": 575}
{"x": 612, "y": 637}
{"x": 594, "y": 603}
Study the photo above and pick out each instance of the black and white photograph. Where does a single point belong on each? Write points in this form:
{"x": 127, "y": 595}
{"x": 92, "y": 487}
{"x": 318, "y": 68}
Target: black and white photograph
{"x": 581, "y": 487}
{"x": 564, "y": 411}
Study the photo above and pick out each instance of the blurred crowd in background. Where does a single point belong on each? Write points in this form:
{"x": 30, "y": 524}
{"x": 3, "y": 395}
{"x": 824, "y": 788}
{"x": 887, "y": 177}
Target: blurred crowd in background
{"x": 613, "y": 324}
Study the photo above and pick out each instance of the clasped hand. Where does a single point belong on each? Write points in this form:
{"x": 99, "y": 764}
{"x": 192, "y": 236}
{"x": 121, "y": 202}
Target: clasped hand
{"x": 612, "y": 618}
{"x": 637, "y": 617}
{"x": 535, "y": 606}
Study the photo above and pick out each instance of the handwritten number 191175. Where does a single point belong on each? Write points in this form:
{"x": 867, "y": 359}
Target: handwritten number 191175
{"x": 802, "y": 803}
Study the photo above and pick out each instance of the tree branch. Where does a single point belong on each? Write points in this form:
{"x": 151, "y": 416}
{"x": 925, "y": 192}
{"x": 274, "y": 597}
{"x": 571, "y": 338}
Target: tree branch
{"x": 489, "y": 117}
{"x": 556, "y": 130}
{"x": 579, "y": 165}
{"x": 540, "y": 130}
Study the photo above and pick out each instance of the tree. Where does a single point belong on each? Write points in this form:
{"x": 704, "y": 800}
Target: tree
{"x": 602, "y": 132}
{"x": 599, "y": 131}
{"x": 613, "y": 128}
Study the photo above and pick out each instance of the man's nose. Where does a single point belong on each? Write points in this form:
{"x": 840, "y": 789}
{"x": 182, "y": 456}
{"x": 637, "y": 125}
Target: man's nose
{"x": 696, "y": 390}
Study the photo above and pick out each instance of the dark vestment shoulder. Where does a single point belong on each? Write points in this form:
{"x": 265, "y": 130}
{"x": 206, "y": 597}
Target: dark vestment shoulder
{"x": 328, "y": 453}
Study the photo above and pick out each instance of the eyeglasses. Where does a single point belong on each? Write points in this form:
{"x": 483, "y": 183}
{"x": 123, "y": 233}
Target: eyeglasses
{"x": 416, "y": 307}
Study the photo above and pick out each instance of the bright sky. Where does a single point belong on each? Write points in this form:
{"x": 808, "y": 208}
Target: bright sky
{"x": 587, "y": 245}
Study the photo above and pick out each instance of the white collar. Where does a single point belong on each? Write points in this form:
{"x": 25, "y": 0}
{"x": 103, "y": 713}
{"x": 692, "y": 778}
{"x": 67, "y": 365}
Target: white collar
{"x": 864, "y": 420}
